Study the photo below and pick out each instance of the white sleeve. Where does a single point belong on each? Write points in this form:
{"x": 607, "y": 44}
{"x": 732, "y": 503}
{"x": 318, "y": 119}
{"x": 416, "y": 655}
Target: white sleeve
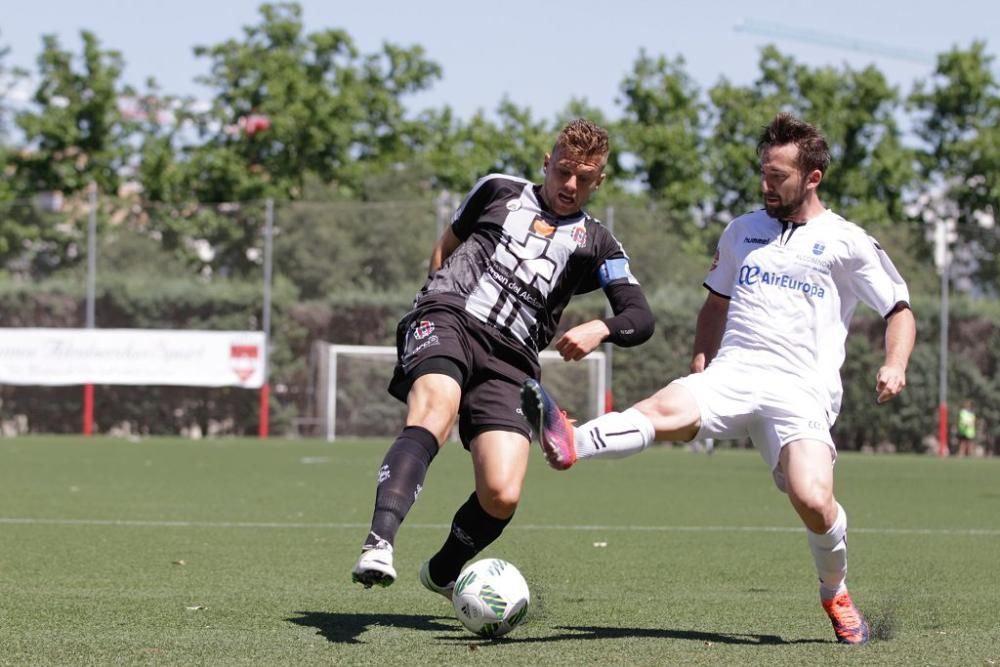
{"x": 874, "y": 278}
{"x": 722, "y": 274}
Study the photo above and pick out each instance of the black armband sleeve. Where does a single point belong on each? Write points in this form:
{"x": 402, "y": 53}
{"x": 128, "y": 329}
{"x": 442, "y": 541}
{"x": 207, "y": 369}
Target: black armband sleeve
{"x": 633, "y": 321}
{"x": 900, "y": 305}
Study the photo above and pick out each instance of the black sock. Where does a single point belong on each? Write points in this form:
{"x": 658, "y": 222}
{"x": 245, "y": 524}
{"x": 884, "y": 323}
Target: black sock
{"x": 472, "y": 530}
{"x": 400, "y": 479}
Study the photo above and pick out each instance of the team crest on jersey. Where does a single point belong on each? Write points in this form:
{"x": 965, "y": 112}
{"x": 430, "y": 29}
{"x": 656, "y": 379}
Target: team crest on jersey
{"x": 818, "y": 248}
{"x": 514, "y": 205}
{"x": 542, "y": 228}
{"x": 423, "y": 329}
{"x": 715, "y": 262}
{"x": 580, "y": 236}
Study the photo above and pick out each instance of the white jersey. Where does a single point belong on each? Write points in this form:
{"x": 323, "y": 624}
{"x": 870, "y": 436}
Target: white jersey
{"x": 793, "y": 289}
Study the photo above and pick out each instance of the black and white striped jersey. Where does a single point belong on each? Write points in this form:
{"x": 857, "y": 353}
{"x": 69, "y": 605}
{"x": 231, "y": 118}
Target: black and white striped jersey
{"x": 519, "y": 264}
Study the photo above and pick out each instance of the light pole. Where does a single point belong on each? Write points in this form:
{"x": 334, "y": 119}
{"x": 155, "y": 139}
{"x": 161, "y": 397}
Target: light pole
{"x": 939, "y": 211}
{"x": 941, "y": 234}
{"x": 88, "y": 389}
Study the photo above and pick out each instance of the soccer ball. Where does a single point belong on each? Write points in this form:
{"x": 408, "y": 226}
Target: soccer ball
{"x": 491, "y": 597}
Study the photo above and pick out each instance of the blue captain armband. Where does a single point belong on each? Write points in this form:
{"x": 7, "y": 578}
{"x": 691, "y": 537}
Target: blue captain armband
{"x": 615, "y": 269}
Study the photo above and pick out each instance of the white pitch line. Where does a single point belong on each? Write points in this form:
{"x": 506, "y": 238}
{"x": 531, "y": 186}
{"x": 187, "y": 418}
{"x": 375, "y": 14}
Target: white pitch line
{"x": 142, "y": 523}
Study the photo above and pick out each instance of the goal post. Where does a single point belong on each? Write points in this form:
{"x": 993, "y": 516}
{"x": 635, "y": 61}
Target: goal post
{"x": 350, "y": 397}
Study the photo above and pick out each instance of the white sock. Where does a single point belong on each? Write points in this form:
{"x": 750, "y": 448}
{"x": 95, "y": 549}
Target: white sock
{"x": 614, "y": 435}
{"x": 829, "y": 550}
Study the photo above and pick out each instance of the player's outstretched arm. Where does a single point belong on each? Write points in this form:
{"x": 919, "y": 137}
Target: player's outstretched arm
{"x": 900, "y": 335}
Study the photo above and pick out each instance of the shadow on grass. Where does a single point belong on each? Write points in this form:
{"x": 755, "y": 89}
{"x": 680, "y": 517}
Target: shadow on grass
{"x": 577, "y": 633}
{"x": 346, "y": 628}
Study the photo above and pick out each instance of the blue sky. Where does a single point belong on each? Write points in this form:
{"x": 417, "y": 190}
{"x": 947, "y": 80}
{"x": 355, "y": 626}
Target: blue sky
{"x": 538, "y": 53}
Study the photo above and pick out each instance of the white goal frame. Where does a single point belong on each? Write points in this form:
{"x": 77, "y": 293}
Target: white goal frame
{"x": 326, "y": 380}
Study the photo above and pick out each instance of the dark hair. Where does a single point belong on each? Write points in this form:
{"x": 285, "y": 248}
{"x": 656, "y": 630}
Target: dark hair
{"x": 584, "y": 139}
{"x": 787, "y": 129}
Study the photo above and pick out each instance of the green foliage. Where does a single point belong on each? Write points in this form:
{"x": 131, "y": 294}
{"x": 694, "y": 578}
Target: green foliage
{"x": 959, "y": 124}
{"x": 871, "y": 169}
{"x": 76, "y": 135}
{"x": 458, "y": 153}
{"x": 661, "y": 127}
{"x": 9, "y": 77}
{"x": 333, "y": 111}
{"x": 661, "y": 130}
{"x": 337, "y": 246}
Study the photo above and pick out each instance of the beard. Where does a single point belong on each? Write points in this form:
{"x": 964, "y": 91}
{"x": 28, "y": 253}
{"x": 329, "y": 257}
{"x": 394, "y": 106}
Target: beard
{"x": 788, "y": 209}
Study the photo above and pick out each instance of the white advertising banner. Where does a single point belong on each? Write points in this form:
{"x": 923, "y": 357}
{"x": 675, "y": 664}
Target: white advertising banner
{"x": 132, "y": 356}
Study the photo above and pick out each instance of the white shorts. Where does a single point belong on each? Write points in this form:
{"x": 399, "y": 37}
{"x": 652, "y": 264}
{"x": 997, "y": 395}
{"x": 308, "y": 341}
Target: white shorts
{"x": 770, "y": 407}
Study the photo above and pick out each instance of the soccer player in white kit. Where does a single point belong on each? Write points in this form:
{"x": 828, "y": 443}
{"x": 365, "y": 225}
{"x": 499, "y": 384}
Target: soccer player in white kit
{"x": 768, "y": 348}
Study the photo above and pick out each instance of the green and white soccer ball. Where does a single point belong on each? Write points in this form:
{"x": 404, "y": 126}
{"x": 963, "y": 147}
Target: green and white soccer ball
{"x": 491, "y": 597}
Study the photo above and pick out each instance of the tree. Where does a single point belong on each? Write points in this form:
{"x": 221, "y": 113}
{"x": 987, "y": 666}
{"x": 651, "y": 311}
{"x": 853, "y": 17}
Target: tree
{"x": 959, "y": 125}
{"x": 661, "y": 130}
{"x": 856, "y": 110}
{"x": 459, "y": 153}
{"x": 329, "y": 110}
{"x": 289, "y": 108}
{"x": 661, "y": 125}
{"x": 74, "y": 136}
{"x": 9, "y": 78}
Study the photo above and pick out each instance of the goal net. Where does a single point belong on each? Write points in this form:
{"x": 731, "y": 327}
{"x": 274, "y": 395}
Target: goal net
{"x": 350, "y": 397}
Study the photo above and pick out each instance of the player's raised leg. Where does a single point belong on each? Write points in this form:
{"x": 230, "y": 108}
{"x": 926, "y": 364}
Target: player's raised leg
{"x": 550, "y": 425}
{"x": 670, "y": 414}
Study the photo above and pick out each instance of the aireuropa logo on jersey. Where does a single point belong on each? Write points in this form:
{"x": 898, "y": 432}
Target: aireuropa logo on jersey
{"x": 751, "y": 275}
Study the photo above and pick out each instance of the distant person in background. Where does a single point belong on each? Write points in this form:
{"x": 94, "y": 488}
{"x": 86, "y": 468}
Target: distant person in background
{"x": 768, "y": 347}
{"x": 966, "y": 429}
{"x": 499, "y": 279}
{"x": 706, "y": 445}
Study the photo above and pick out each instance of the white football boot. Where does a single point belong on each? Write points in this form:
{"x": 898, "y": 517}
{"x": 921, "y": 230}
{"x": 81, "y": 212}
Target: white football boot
{"x": 425, "y": 579}
{"x": 374, "y": 566}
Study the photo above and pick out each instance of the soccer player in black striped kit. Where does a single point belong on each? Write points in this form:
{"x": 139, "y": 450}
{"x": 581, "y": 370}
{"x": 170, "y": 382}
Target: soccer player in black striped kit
{"x": 500, "y": 276}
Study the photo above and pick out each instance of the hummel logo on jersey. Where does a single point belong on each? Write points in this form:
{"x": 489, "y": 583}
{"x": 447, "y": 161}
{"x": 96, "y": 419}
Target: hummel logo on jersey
{"x": 756, "y": 241}
{"x": 598, "y": 440}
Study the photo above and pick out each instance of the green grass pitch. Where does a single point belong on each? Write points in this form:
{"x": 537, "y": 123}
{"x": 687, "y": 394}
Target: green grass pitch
{"x": 170, "y": 552}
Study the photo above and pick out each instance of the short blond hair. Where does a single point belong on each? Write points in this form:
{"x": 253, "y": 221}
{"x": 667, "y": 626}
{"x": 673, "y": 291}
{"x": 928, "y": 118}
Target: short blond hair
{"x": 583, "y": 139}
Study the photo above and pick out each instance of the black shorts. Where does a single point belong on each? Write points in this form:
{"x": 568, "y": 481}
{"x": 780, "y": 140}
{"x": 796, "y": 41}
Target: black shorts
{"x": 490, "y": 369}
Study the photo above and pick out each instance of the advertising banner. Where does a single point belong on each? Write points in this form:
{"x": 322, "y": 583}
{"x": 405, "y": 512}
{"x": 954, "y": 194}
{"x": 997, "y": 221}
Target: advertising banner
{"x": 132, "y": 357}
